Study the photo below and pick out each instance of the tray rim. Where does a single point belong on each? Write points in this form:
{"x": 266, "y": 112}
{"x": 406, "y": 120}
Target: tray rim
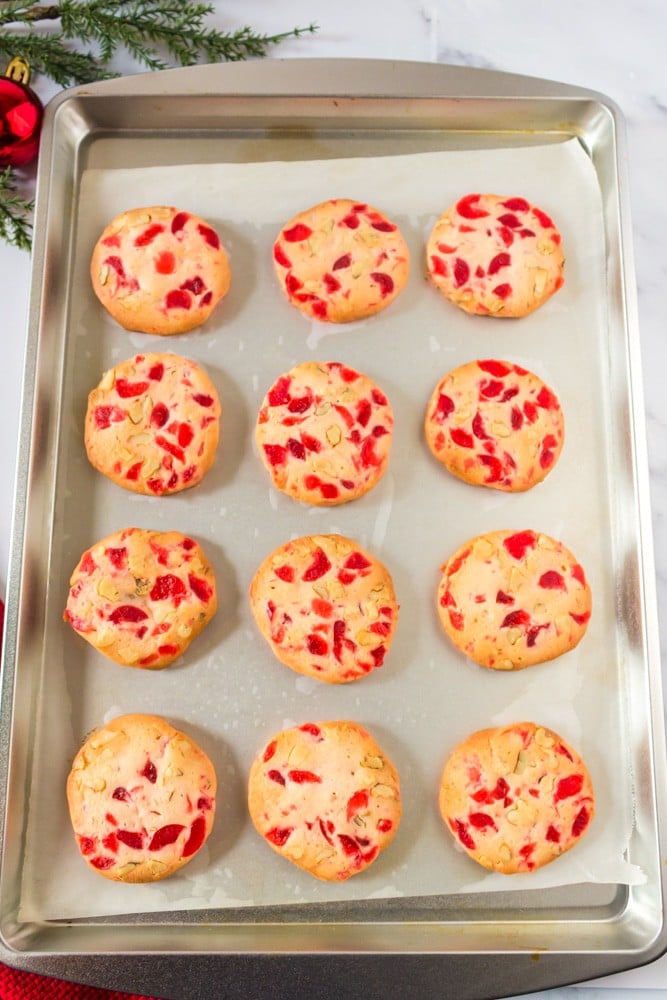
{"x": 385, "y": 80}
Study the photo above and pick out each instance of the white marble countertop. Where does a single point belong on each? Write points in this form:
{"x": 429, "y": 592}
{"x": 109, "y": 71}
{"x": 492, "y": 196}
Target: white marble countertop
{"x": 605, "y": 45}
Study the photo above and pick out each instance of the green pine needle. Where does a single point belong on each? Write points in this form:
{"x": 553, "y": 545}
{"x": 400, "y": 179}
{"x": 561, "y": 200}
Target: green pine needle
{"x": 157, "y": 33}
{"x": 47, "y": 54}
{"x": 15, "y": 224}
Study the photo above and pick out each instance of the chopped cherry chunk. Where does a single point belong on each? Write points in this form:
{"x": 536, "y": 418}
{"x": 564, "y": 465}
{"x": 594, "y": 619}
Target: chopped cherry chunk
{"x": 127, "y": 613}
{"x": 311, "y": 729}
{"x": 461, "y": 272}
{"x": 515, "y": 619}
{"x": 148, "y": 235}
{"x": 304, "y": 777}
{"x": 149, "y": 772}
{"x": 297, "y": 233}
{"x": 551, "y": 580}
{"x": 178, "y": 222}
{"x": 384, "y": 281}
{"x": 518, "y": 544}
{"x": 209, "y": 235}
{"x": 581, "y": 821}
{"x": 131, "y": 839}
{"x": 200, "y": 588}
{"x": 468, "y": 207}
{"x": 168, "y": 586}
{"x": 178, "y": 298}
{"x": 318, "y": 567}
{"x": 568, "y": 787}
{"x": 196, "y": 838}
{"x": 127, "y": 389}
{"x": 165, "y": 835}
{"x": 280, "y": 256}
{"x": 279, "y": 835}
{"x": 317, "y": 646}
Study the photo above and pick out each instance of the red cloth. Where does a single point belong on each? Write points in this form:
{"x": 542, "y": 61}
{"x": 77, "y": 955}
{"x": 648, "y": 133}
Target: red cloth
{"x": 15, "y": 985}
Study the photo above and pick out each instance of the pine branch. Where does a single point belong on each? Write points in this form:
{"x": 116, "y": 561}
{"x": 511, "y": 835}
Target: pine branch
{"x": 178, "y": 26}
{"x": 15, "y": 224}
{"x": 20, "y": 11}
{"x": 47, "y": 54}
{"x": 148, "y": 29}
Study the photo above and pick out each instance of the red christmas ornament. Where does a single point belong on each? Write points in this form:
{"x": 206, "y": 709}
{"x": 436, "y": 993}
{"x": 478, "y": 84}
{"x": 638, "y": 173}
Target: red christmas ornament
{"x": 21, "y": 114}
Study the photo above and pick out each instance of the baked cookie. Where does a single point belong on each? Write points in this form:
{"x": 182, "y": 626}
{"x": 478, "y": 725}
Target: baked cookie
{"x": 159, "y": 270}
{"x": 324, "y": 796}
{"x": 493, "y": 423}
{"x": 341, "y": 261}
{"x": 495, "y": 255}
{"x": 324, "y": 433}
{"x": 510, "y": 599}
{"x": 140, "y": 597}
{"x": 152, "y": 424}
{"x": 141, "y": 798}
{"x": 516, "y": 797}
{"x": 326, "y": 607}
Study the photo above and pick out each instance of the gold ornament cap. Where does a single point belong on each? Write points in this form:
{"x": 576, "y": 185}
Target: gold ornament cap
{"x": 19, "y": 70}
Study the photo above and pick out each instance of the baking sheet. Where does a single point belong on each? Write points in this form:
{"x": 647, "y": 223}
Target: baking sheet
{"x": 228, "y": 692}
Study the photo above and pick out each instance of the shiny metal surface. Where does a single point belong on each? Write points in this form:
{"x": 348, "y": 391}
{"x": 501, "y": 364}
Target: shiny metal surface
{"x": 478, "y": 945}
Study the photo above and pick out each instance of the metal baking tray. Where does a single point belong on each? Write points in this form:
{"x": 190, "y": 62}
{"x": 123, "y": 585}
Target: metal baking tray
{"x": 466, "y": 943}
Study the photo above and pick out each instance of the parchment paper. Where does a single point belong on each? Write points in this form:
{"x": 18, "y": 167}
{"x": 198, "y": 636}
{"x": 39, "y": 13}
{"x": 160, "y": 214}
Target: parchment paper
{"x": 228, "y": 692}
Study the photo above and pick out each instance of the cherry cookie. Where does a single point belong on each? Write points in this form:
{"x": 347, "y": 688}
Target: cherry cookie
{"x": 493, "y": 423}
{"x": 140, "y": 597}
{"x": 152, "y": 424}
{"x": 325, "y": 796}
{"x": 326, "y": 607}
{"x": 324, "y": 433}
{"x": 341, "y": 261}
{"x": 159, "y": 270}
{"x": 511, "y": 599}
{"x": 141, "y": 797}
{"x": 516, "y": 797}
{"x": 496, "y": 256}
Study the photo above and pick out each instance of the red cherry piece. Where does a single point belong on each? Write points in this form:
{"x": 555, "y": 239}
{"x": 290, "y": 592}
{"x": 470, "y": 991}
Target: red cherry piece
{"x": 164, "y": 836}
{"x": 178, "y": 299}
{"x": 203, "y": 399}
{"x": 131, "y": 838}
{"x": 210, "y": 236}
{"x": 149, "y": 772}
{"x": 145, "y": 238}
{"x": 127, "y": 389}
{"x": 165, "y": 262}
{"x": 518, "y": 543}
{"x": 196, "y": 838}
{"x": 127, "y": 613}
{"x": 178, "y": 222}
{"x": 318, "y": 567}
{"x": 304, "y": 777}
{"x": 468, "y": 207}
{"x": 166, "y": 587}
{"x": 200, "y": 588}
{"x": 297, "y": 233}
{"x": 312, "y": 730}
{"x": 384, "y": 282}
{"x": 279, "y": 835}
{"x": 515, "y": 619}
